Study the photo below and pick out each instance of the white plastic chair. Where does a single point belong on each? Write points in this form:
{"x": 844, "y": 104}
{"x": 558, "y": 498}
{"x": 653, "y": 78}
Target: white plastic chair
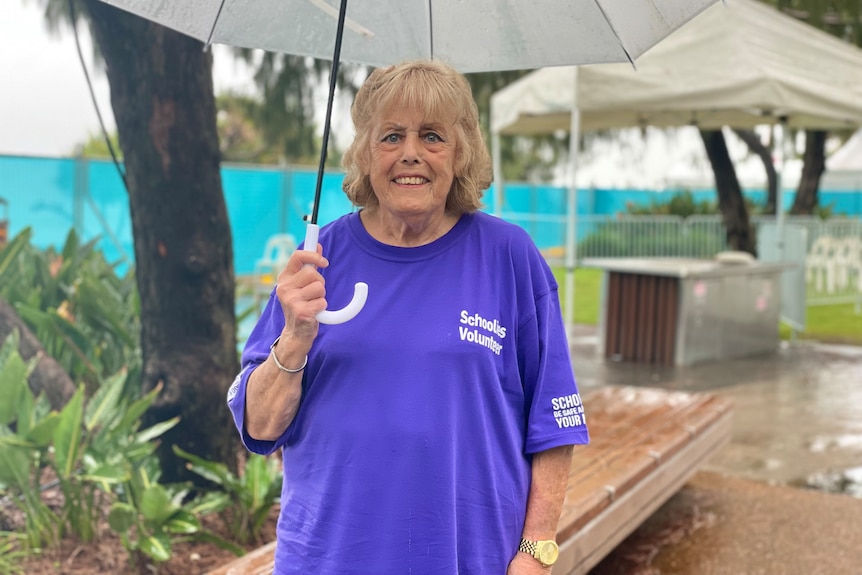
{"x": 278, "y": 250}
{"x": 846, "y": 261}
{"x": 819, "y": 262}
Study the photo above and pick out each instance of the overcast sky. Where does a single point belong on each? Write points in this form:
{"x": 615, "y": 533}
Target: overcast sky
{"x": 45, "y": 105}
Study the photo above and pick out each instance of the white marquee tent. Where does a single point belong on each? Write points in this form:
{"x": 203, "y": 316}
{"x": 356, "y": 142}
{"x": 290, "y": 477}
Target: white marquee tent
{"x": 738, "y": 64}
{"x": 847, "y": 158}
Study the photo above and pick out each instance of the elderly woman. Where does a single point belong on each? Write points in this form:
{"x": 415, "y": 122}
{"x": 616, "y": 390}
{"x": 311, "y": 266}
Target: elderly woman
{"x": 431, "y": 434}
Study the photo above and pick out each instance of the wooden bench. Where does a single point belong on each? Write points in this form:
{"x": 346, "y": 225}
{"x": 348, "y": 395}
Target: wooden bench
{"x": 645, "y": 444}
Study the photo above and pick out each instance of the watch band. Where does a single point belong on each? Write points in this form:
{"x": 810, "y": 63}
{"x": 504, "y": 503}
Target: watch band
{"x": 528, "y": 547}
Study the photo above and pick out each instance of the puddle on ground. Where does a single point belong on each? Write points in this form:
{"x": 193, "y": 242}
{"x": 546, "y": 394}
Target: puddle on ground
{"x": 847, "y": 482}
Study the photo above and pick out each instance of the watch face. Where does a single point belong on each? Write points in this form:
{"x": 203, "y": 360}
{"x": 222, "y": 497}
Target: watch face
{"x": 548, "y": 552}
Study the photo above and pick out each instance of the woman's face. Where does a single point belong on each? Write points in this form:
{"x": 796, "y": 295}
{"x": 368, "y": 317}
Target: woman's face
{"x": 412, "y": 162}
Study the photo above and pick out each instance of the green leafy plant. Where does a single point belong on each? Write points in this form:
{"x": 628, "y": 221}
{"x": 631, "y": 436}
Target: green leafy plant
{"x": 26, "y": 430}
{"x": 11, "y": 553}
{"x": 84, "y": 315}
{"x": 247, "y": 499}
{"x": 93, "y": 447}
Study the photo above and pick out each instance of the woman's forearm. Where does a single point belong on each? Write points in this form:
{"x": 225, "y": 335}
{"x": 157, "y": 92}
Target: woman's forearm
{"x": 550, "y": 472}
{"x": 272, "y": 396}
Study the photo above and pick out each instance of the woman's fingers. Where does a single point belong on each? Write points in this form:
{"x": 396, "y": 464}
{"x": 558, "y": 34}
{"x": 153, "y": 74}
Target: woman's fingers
{"x": 301, "y": 291}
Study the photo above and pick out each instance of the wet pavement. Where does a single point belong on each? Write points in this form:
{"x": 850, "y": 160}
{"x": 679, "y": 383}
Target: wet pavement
{"x": 784, "y": 496}
{"x": 797, "y": 412}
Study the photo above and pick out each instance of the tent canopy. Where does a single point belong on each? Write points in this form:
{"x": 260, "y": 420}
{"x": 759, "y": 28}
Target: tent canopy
{"x": 738, "y": 64}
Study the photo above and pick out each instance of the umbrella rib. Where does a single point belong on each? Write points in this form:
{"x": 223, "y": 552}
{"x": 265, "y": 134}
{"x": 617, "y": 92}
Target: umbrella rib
{"x": 614, "y": 30}
{"x": 212, "y": 30}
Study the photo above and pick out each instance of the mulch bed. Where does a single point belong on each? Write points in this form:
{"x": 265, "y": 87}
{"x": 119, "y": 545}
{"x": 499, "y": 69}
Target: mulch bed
{"x": 106, "y": 555}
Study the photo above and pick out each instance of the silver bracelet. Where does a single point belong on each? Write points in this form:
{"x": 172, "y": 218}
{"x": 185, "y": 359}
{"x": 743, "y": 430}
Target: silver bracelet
{"x": 278, "y": 363}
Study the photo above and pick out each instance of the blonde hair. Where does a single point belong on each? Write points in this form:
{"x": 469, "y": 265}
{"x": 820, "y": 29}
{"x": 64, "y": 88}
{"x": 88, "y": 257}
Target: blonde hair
{"x": 443, "y": 94}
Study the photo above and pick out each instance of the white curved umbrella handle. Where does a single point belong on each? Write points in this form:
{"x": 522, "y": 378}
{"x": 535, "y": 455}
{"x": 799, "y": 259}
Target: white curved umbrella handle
{"x": 360, "y": 290}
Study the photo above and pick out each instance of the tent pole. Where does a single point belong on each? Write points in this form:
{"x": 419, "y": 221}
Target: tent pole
{"x": 572, "y": 210}
{"x": 498, "y": 174}
{"x": 783, "y": 148}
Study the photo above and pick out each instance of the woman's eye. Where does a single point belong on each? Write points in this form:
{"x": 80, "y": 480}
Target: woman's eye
{"x": 391, "y": 138}
{"x": 433, "y": 138}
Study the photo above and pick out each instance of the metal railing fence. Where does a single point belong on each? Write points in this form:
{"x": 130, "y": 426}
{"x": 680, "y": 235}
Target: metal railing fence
{"x": 835, "y": 279}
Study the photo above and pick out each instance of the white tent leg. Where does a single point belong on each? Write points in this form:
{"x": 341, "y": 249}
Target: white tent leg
{"x": 498, "y": 174}
{"x": 572, "y": 211}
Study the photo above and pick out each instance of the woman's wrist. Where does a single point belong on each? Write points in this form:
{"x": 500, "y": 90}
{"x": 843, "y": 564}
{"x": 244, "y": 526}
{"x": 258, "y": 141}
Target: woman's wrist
{"x": 287, "y": 356}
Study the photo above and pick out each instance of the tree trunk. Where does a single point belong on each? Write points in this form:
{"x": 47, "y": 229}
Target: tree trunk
{"x": 813, "y": 166}
{"x": 730, "y": 201}
{"x": 48, "y": 377}
{"x": 164, "y": 105}
{"x": 756, "y": 146}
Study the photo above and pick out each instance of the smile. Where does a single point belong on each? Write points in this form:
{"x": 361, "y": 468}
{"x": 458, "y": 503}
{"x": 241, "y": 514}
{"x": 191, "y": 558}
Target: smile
{"x": 411, "y": 181}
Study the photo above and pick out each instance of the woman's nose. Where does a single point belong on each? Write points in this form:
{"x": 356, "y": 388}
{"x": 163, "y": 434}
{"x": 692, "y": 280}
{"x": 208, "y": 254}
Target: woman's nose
{"x": 411, "y": 152}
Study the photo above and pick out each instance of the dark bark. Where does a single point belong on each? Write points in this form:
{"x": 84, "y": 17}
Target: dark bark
{"x": 48, "y": 376}
{"x": 164, "y": 106}
{"x": 813, "y": 166}
{"x": 730, "y": 200}
{"x": 756, "y": 146}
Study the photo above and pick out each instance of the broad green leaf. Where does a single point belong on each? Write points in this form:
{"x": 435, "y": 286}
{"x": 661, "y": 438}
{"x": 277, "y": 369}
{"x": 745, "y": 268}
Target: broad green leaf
{"x": 10, "y": 346}
{"x": 156, "y": 430}
{"x": 11, "y": 252}
{"x": 94, "y": 296}
{"x": 102, "y": 406}
{"x": 138, "y": 451}
{"x": 157, "y": 546}
{"x": 26, "y": 417}
{"x": 256, "y": 479}
{"x": 42, "y": 433}
{"x": 16, "y": 440}
{"x": 214, "y": 471}
{"x": 210, "y": 537}
{"x": 122, "y": 517}
{"x": 182, "y": 522}
{"x": 15, "y": 465}
{"x": 13, "y": 382}
{"x": 156, "y": 505}
{"x": 134, "y": 412}
{"x": 108, "y": 474}
{"x": 67, "y": 435}
{"x": 213, "y": 502}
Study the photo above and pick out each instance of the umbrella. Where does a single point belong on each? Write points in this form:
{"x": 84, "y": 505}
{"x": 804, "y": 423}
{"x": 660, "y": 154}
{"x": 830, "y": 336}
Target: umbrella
{"x": 469, "y": 35}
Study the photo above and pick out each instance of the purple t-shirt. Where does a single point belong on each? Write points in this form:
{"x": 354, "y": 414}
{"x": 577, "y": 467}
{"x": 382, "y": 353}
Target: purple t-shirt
{"x": 411, "y": 449}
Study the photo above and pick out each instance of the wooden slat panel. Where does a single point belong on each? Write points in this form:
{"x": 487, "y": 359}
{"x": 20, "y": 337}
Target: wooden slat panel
{"x": 634, "y": 455}
{"x": 671, "y": 297}
{"x": 629, "y": 316}
{"x": 646, "y": 311}
{"x": 257, "y": 562}
{"x": 612, "y": 315}
{"x": 618, "y": 420}
{"x": 589, "y": 545}
{"x": 661, "y": 341}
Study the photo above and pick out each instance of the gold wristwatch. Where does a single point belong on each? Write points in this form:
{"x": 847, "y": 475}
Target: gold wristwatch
{"x": 545, "y": 552}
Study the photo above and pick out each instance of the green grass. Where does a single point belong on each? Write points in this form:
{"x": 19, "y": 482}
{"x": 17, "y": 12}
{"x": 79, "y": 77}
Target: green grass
{"x": 827, "y": 323}
{"x": 830, "y": 323}
{"x": 588, "y": 285}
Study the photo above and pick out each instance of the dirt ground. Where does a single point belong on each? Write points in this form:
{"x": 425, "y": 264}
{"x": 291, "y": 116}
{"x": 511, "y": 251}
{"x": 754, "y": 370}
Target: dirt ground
{"x": 108, "y": 557}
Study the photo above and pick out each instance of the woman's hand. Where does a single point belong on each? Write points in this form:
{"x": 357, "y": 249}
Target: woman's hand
{"x": 302, "y": 294}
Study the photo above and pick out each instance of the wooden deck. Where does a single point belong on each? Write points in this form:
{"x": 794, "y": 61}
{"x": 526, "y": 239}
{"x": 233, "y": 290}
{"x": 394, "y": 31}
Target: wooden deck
{"x": 645, "y": 444}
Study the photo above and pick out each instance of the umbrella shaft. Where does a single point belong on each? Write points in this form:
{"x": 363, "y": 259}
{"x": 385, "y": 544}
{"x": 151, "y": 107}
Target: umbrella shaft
{"x": 333, "y": 75}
